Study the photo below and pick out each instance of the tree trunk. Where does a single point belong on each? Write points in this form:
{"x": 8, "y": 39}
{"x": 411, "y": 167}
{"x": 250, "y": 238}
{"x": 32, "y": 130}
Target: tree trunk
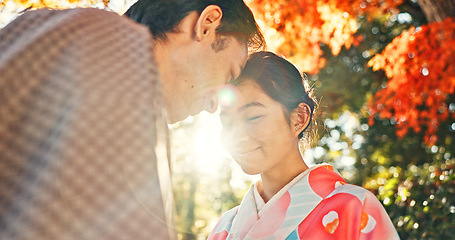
{"x": 437, "y": 10}
{"x": 191, "y": 204}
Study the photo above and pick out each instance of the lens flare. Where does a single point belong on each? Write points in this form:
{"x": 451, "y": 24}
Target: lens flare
{"x": 227, "y": 96}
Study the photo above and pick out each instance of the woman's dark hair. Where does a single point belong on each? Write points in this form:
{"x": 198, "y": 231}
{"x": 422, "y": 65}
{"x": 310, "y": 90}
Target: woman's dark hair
{"x": 280, "y": 80}
{"x": 163, "y": 16}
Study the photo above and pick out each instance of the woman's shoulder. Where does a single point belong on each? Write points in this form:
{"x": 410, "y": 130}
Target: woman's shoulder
{"x": 224, "y": 224}
{"x": 230, "y": 214}
{"x": 359, "y": 192}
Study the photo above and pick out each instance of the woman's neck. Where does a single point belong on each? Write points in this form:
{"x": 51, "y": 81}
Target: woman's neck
{"x": 275, "y": 179}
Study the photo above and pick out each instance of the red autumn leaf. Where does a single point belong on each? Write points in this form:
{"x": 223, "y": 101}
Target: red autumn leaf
{"x": 422, "y": 83}
{"x": 297, "y": 27}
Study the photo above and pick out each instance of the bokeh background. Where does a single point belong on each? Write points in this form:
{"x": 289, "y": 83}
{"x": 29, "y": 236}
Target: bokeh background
{"x": 383, "y": 72}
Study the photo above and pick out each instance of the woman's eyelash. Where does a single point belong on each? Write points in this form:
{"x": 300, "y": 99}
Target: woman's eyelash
{"x": 254, "y": 118}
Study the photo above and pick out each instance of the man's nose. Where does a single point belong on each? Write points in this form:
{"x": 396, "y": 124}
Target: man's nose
{"x": 212, "y": 104}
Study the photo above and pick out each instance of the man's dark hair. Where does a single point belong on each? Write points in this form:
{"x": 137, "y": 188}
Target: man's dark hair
{"x": 163, "y": 16}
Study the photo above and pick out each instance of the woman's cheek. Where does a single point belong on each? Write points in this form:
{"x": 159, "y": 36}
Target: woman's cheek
{"x": 255, "y": 131}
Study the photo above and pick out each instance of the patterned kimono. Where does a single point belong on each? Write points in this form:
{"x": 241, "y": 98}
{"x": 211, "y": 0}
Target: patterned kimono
{"x": 317, "y": 204}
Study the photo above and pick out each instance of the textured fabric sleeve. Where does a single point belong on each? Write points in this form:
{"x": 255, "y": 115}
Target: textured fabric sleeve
{"x": 82, "y": 131}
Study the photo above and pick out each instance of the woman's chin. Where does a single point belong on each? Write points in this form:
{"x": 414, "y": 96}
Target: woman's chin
{"x": 250, "y": 171}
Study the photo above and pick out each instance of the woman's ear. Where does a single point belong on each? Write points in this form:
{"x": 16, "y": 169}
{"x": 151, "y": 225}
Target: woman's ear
{"x": 208, "y": 21}
{"x": 300, "y": 118}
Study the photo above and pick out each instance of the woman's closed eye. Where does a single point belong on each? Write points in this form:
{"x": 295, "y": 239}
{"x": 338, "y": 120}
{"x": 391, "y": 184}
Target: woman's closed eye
{"x": 254, "y": 118}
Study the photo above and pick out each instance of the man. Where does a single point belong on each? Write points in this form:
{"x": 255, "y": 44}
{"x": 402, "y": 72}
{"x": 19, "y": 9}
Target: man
{"x": 199, "y": 45}
{"x": 84, "y": 95}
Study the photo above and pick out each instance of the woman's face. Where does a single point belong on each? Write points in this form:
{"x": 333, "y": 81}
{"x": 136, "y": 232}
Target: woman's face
{"x": 255, "y": 130}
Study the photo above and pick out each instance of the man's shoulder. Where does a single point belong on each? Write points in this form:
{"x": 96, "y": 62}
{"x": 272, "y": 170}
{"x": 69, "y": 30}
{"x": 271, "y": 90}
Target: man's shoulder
{"x": 85, "y": 17}
{"x": 62, "y": 15}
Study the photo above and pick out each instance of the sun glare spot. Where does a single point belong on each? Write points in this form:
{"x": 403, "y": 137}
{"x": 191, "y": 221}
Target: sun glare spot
{"x": 208, "y": 149}
{"x": 227, "y": 96}
{"x": 210, "y": 155}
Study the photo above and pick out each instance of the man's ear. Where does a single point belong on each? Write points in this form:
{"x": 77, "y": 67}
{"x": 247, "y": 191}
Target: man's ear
{"x": 208, "y": 21}
{"x": 300, "y": 118}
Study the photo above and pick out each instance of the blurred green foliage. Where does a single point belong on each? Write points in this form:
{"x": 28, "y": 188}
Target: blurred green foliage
{"x": 420, "y": 199}
{"x": 415, "y": 182}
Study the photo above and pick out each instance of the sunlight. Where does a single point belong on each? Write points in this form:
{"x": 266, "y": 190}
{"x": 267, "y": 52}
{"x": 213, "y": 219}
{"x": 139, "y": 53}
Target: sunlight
{"x": 197, "y": 147}
{"x": 208, "y": 150}
{"x": 210, "y": 155}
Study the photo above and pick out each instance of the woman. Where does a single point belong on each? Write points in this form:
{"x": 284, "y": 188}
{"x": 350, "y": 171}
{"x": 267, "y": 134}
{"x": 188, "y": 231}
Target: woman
{"x": 261, "y": 130}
